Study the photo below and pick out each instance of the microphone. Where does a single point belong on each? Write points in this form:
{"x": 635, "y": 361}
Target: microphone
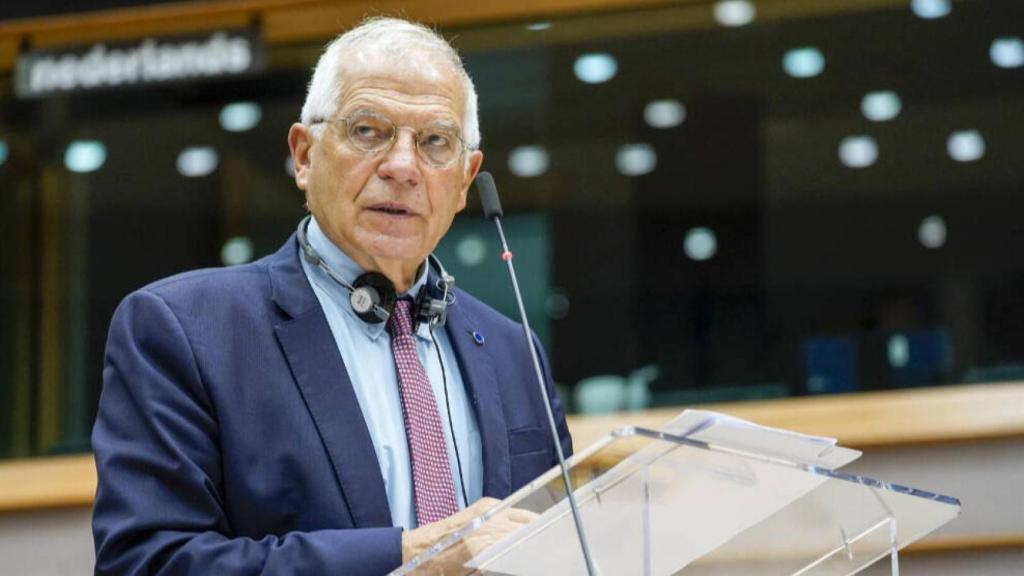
{"x": 489, "y": 196}
{"x": 492, "y": 211}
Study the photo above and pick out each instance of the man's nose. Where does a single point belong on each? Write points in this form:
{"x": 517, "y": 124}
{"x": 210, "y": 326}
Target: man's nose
{"x": 401, "y": 162}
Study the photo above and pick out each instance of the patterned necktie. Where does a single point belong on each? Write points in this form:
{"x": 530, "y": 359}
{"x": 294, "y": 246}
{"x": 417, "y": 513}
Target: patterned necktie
{"x": 431, "y": 471}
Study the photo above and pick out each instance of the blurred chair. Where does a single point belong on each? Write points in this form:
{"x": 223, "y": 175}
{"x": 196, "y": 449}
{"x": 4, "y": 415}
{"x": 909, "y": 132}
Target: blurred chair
{"x": 719, "y": 393}
{"x": 600, "y": 394}
{"x": 995, "y": 373}
{"x": 830, "y": 364}
{"x": 613, "y": 393}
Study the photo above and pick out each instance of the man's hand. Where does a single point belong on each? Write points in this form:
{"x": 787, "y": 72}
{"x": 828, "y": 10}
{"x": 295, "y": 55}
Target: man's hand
{"x": 451, "y": 561}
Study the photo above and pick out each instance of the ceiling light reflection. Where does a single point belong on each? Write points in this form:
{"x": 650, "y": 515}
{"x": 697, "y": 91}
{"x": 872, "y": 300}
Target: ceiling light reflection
{"x": 881, "y": 106}
{"x": 667, "y": 113}
{"x": 930, "y": 9}
{"x": 858, "y": 151}
{"x": 237, "y": 250}
{"x": 595, "y": 68}
{"x": 735, "y": 12}
{"x": 966, "y": 146}
{"x": 197, "y": 161}
{"x": 85, "y": 156}
{"x": 932, "y": 232}
{"x": 528, "y": 161}
{"x": 240, "y": 116}
{"x": 1007, "y": 52}
{"x": 805, "y": 62}
{"x": 700, "y": 243}
{"x": 636, "y": 159}
{"x": 471, "y": 250}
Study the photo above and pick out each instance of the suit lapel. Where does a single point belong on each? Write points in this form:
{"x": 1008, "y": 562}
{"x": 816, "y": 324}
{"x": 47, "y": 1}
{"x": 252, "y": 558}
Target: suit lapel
{"x": 322, "y": 379}
{"x": 477, "y": 370}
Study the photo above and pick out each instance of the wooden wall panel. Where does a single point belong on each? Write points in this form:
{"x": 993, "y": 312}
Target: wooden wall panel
{"x": 282, "y": 20}
{"x": 326, "y": 19}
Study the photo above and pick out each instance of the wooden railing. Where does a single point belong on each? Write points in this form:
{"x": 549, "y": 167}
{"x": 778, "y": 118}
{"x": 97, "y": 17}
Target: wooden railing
{"x": 867, "y": 420}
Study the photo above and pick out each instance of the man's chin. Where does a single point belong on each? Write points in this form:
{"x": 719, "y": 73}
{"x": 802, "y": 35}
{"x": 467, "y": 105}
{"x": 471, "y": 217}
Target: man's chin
{"x": 396, "y": 248}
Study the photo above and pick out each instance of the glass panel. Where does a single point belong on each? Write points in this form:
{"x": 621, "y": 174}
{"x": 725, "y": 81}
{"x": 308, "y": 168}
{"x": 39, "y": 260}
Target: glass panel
{"x": 662, "y": 505}
{"x": 700, "y": 226}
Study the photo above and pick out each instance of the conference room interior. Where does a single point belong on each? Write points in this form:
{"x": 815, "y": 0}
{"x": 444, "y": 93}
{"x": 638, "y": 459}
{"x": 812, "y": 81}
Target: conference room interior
{"x": 772, "y": 207}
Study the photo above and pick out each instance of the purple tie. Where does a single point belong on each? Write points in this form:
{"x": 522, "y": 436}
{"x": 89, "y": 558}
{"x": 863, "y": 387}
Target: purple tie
{"x": 431, "y": 471}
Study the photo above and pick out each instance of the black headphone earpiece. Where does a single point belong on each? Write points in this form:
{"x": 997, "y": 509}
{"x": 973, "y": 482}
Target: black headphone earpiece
{"x": 373, "y": 297}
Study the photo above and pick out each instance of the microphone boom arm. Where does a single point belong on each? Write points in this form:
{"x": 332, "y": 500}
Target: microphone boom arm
{"x": 506, "y": 255}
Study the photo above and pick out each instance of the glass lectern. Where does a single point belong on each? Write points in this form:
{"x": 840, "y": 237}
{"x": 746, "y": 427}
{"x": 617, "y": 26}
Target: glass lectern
{"x": 698, "y": 498}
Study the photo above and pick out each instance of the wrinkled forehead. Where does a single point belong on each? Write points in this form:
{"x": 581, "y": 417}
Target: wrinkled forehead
{"x": 418, "y": 74}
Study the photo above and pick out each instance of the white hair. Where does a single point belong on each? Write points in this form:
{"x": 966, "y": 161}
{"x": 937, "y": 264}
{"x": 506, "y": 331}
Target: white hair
{"x": 396, "y": 38}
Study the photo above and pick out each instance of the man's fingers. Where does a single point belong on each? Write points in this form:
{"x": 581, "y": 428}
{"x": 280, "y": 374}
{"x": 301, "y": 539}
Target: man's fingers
{"x": 484, "y": 504}
{"x": 520, "y": 516}
{"x": 442, "y": 528}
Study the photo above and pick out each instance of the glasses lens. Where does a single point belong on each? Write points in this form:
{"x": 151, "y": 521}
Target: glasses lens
{"x": 370, "y": 133}
{"x": 438, "y": 147}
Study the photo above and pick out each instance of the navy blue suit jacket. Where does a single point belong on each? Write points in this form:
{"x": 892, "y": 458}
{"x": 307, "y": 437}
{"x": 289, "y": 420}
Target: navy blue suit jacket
{"x": 229, "y": 439}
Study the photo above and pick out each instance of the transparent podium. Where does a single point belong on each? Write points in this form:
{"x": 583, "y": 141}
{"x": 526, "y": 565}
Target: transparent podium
{"x": 707, "y": 495}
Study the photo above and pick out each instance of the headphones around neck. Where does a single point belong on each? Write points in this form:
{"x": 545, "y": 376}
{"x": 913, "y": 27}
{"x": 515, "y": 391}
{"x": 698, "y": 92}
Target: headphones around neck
{"x": 373, "y": 296}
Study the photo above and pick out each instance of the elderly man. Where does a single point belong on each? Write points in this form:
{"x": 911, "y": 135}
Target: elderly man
{"x": 328, "y": 409}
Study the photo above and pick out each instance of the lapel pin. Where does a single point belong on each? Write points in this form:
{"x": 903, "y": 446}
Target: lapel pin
{"x": 478, "y": 338}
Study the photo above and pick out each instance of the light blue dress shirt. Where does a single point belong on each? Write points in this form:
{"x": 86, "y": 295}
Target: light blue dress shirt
{"x": 366, "y": 350}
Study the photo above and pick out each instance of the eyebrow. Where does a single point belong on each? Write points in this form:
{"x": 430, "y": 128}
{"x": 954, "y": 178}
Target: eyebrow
{"x": 448, "y": 125}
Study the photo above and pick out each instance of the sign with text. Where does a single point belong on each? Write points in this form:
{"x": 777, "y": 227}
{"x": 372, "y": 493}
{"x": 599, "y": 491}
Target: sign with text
{"x": 219, "y": 54}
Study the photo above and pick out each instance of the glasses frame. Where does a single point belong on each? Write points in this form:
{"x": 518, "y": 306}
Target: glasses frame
{"x": 462, "y": 147}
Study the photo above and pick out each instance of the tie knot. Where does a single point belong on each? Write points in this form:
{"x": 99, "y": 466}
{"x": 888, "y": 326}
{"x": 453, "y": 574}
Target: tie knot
{"x": 400, "y": 321}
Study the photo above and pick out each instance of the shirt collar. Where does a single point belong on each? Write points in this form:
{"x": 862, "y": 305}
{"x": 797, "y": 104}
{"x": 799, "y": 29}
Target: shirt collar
{"x": 344, "y": 266}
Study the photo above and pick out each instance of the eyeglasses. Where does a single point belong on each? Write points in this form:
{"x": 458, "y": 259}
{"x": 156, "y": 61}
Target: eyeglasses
{"x": 373, "y": 133}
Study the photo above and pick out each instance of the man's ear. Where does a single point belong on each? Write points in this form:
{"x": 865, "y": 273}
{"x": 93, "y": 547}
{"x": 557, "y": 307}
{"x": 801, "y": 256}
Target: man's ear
{"x": 300, "y": 143}
{"x": 476, "y": 160}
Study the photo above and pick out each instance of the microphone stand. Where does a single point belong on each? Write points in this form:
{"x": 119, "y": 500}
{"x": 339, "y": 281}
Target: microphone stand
{"x": 506, "y": 255}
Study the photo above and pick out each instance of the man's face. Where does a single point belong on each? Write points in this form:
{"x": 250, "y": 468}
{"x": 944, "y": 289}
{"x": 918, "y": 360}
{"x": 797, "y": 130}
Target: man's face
{"x": 391, "y": 207}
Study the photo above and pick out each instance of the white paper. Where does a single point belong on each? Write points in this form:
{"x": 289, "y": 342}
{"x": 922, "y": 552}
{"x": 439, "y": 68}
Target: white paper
{"x": 735, "y": 433}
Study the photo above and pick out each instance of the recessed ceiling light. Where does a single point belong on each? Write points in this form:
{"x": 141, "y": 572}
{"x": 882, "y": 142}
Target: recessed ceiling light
{"x": 197, "y": 161}
{"x": 471, "y": 250}
{"x": 700, "y": 243}
{"x": 734, "y": 12}
{"x": 932, "y": 232}
{"x": 528, "y": 161}
{"x": 858, "y": 151}
{"x": 805, "y": 62}
{"x": 636, "y": 159}
{"x": 881, "y": 106}
{"x": 1007, "y": 52}
{"x": 237, "y": 250}
{"x": 930, "y": 9}
{"x": 667, "y": 113}
{"x": 240, "y": 116}
{"x": 966, "y": 146}
{"x": 85, "y": 156}
{"x": 595, "y": 68}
